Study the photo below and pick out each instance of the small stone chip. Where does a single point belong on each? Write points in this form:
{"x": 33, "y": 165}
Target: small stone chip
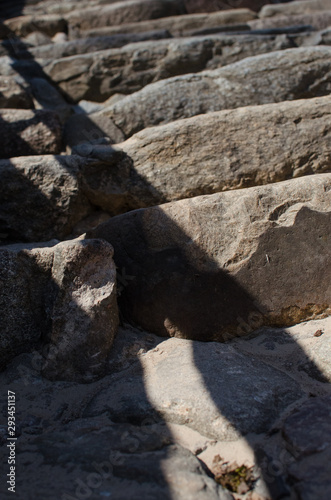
{"x": 318, "y": 333}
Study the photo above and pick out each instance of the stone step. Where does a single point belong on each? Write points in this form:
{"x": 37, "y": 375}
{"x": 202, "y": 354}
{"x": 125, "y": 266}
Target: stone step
{"x": 212, "y": 153}
{"x": 60, "y": 7}
{"x": 123, "y": 12}
{"x": 87, "y": 45}
{"x": 98, "y": 75}
{"x": 279, "y": 76}
{"x": 317, "y": 20}
{"x": 176, "y": 25}
{"x": 294, "y": 8}
{"x": 177, "y": 374}
{"x": 240, "y": 150}
{"x": 165, "y": 163}
{"x": 220, "y": 266}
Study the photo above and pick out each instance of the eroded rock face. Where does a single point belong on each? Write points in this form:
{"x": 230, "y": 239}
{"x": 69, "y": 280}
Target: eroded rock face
{"x": 161, "y": 164}
{"x": 217, "y": 266}
{"x": 41, "y": 197}
{"x": 60, "y": 298}
{"x": 287, "y": 75}
{"x": 26, "y": 133}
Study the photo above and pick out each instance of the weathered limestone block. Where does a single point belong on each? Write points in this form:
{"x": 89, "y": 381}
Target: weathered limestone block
{"x": 317, "y": 20}
{"x": 24, "y": 25}
{"x": 93, "y": 44}
{"x": 278, "y": 76}
{"x": 123, "y": 12}
{"x": 177, "y": 25}
{"x": 96, "y": 76}
{"x": 293, "y": 8}
{"x": 221, "y": 265}
{"x": 250, "y": 146}
{"x": 84, "y": 315}
{"x": 60, "y": 299}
